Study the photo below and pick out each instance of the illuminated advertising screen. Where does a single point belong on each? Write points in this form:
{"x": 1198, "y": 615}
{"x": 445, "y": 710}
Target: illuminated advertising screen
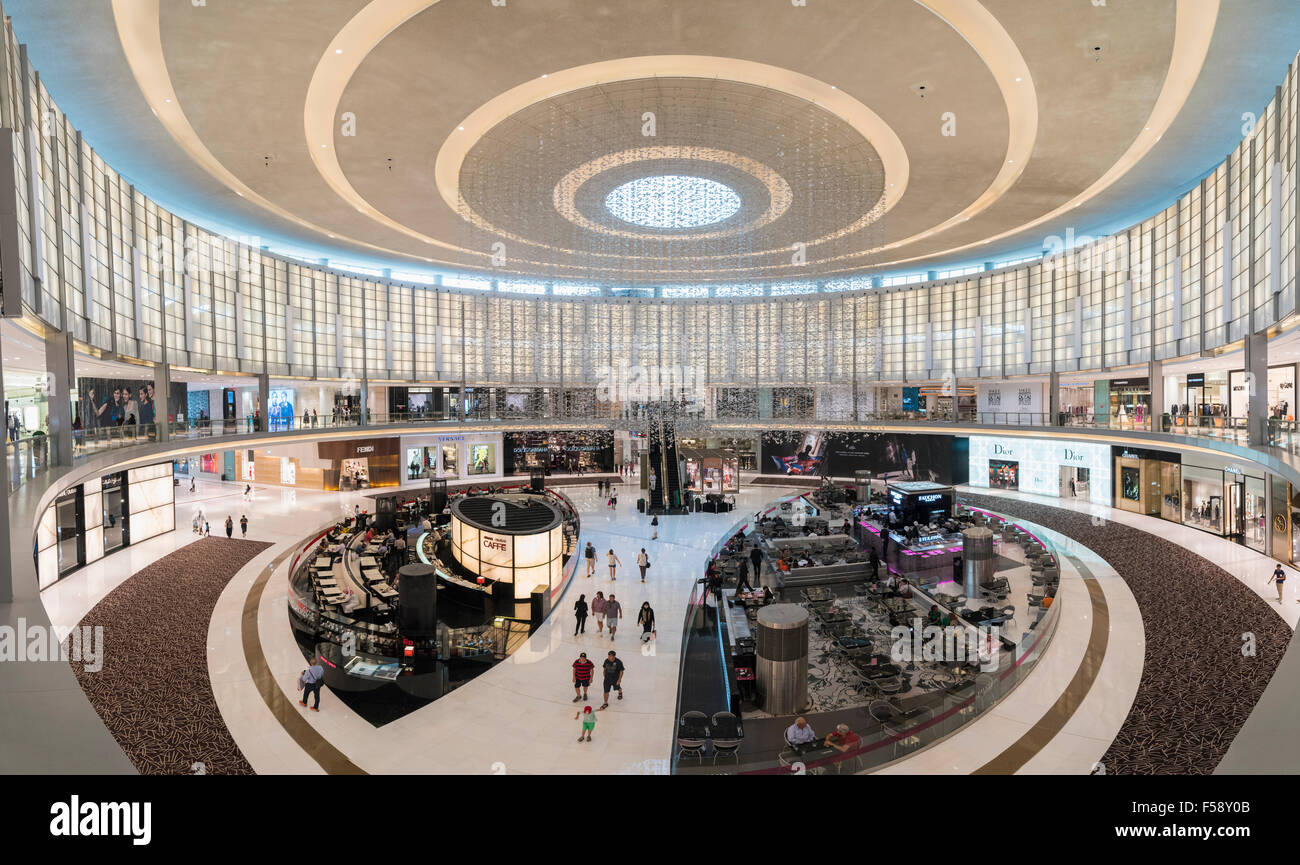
{"x": 279, "y": 410}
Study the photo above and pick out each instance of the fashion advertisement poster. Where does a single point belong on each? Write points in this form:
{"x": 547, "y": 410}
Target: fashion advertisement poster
{"x": 108, "y": 402}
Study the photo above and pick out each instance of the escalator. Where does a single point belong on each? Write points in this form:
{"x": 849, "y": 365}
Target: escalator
{"x": 666, "y": 496}
{"x": 672, "y": 468}
{"x": 656, "y": 465}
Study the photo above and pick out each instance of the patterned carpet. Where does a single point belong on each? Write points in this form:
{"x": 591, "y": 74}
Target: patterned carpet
{"x": 154, "y": 693}
{"x": 1197, "y": 688}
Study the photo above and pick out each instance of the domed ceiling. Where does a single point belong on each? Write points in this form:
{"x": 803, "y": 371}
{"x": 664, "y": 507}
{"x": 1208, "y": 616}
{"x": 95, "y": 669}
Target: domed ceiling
{"x": 654, "y": 141}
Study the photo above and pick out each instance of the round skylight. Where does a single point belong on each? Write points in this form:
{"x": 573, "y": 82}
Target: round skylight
{"x": 672, "y": 201}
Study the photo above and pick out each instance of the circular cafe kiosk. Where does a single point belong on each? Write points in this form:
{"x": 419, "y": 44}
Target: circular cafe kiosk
{"x": 509, "y": 551}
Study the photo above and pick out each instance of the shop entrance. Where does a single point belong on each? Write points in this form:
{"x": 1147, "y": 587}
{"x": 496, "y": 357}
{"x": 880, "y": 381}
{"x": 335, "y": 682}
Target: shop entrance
{"x": 1074, "y": 482}
{"x": 1234, "y": 517}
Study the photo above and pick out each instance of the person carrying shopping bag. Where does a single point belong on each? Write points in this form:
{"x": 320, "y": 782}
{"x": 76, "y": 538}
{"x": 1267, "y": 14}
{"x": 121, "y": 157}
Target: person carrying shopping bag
{"x": 646, "y": 619}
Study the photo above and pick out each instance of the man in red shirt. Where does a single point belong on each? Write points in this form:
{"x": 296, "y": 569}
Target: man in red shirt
{"x": 844, "y": 739}
{"x": 582, "y": 671}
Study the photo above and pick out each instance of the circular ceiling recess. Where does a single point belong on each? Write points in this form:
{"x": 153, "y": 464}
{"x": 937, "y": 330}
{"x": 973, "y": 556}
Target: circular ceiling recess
{"x": 619, "y": 182}
{"x": 673, "y": 201}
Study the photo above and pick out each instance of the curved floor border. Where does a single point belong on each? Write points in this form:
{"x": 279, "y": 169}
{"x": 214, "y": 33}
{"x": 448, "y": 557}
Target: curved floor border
{"x": 1014, "y": 758}
{"x": 1197, "y": 687}
{"x": 329, "y": 758}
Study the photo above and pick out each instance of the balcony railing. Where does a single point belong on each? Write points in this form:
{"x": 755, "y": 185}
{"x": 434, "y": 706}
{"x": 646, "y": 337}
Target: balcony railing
{"x": 31, "y": 455}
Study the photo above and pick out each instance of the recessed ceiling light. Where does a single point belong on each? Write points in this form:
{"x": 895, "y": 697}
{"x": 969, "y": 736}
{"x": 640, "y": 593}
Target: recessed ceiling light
{"x": 324, "y": 145}
{"x": 1017, "y": 77}
{"x": 166, "y": 100}
{"x": 543, "y": 74}
{"x": 338, "y": 50}
{"x": 460, "y": 128}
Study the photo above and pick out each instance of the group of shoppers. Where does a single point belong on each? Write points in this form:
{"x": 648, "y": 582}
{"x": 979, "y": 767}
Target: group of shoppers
{"x": 609, "y": 611}
{"x": 614, "y": 562}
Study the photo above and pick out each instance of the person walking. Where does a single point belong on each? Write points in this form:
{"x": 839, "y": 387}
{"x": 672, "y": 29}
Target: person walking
{"x": 588, "y": 723}
{"x": 191, "y": 484}
{"x": 207, "y": 529}
{"x": 654, "y": 524}
{"x": 1279, "y": 579}
{"x": 243, "y": 525}
{"x": 580, "y": 615}
{"x": 742, "y": 578}
{"x": 642, "y": 562}
{"x": 590, "y": 553}
{"x": 613, "y": 566}
{"x": 646, "y": 619}
{"x": 598, "y": 607}
{"x": 756, "y": 559}
{"x": 582, "y": 672}
{"x": 613, "y": 677}
{"x": 230, "y": 526}
{"x": 309, "y": 682}
{"x": 248, "y": 492}
{"x": 613, "y": 500}
{"x": 613, "y": 609}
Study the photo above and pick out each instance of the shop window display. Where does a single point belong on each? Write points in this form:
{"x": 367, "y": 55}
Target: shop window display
{"x": 450, "y": 461}
{"x": 415, "y": 463}
{"x": 1256, "y": 510}
{"x": 354, "y": 474}
{"x": 482, "y": 460}
{"x": 1130, "y": 483}
{"x": 1203, "y": 499}
{"x": 1004, "y": 475}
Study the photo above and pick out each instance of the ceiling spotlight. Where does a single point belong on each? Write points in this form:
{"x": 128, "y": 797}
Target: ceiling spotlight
{"x": 543, "y": 74}
{"x": 1017, "y": 77}
{"x": 324, "y": 145}
{"x": 166, "y": 100}
{"x": 338, "y": 50}
{"x": 460, "y": 128}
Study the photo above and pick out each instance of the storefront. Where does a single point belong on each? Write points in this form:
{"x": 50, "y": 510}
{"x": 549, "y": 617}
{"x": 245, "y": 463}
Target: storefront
{"x": 1281, "y": 392}
{"x": 1048, "y": 466}
{"x": 580, "y": 452}
{"x": 102, "y": 515}
{"x": 1149, "y": 482}
{"x": 1076, "y": 403}
{"x": 452, "y": 457}
{"x": 353, "y": 464}
{"x": 710, "y": 470}
{"x": 1122, "y": 403}
{"x": 1199, "y": 398}
{"x": 1230, "y": 502}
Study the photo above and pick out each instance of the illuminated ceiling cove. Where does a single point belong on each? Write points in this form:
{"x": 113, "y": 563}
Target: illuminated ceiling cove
{"x": 819, "y": 139}
{"x": 672, "y": 201}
